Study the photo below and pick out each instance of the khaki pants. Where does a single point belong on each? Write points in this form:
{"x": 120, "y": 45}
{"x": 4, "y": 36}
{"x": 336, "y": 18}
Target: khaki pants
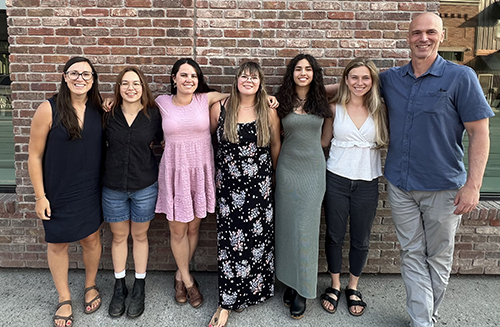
{"x": 426, "y": 228}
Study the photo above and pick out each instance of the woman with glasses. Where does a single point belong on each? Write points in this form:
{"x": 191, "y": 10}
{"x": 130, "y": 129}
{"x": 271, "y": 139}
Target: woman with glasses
{"x": 249, "y": 144}
{"x": 300, "y": 180}
{"x": 65, "y": 167}
{"x": 130, "y": 182}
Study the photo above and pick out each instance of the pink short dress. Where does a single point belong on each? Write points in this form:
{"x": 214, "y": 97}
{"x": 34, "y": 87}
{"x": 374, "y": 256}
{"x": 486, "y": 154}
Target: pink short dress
{"x": 186, "y": 187}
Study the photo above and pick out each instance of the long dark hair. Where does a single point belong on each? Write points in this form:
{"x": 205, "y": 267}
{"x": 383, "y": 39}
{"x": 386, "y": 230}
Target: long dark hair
{"x": 202, "y": 84}
{"x": 316, "y": 102}
{"x": 147, "y": 99}
{"x": 65, "y": 109}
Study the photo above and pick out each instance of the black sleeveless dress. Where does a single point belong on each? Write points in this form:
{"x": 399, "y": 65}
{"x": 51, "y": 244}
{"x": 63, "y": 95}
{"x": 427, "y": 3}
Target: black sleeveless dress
{"x": 245, "y": 225}
{"x": 71, "y": 177}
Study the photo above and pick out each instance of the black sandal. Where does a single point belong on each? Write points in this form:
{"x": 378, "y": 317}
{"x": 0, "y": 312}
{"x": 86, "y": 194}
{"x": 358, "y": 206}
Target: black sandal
{"x": 89, "y": 304}
{"x": 65, "y": 318}
{"x": 351, "y": 303}
{"x": 331, "y": 300}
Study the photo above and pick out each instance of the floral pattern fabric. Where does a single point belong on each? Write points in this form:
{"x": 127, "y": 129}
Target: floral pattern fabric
{"x": 245, "y": 226}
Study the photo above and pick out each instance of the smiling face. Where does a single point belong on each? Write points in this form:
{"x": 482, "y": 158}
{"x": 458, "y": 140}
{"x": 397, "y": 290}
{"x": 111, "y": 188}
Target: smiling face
{"x": 303, "y": 73}
{"x": 131, "y": 87}
{"x": 79, "y": 86}
{"x": 186, "y": 79}
{"x": 425, "y": 35}
{"x": 248, "y": 83}
{"x": 359, "y": 81}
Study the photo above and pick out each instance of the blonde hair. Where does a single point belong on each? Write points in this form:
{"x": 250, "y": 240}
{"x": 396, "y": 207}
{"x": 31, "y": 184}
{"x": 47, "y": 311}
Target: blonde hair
{"x": 261, "y": 107}
{"x": 371, "y": 99}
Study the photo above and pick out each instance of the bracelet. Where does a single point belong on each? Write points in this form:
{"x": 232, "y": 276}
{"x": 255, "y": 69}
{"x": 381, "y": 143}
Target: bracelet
{"x": 36, "y": 199}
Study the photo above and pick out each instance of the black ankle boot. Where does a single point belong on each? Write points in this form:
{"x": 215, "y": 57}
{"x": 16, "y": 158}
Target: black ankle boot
{"x": 136, "y": 306}
{"x": 117, "y": 304}
{"x": 298, "y": 307}
{"x": 289, "y": 296}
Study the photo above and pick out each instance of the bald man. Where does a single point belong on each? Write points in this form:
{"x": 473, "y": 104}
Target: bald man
{"x": 431, "y": 101}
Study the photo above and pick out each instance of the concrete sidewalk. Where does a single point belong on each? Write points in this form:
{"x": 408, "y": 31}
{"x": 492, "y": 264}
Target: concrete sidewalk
{"x": 28, "y": 298}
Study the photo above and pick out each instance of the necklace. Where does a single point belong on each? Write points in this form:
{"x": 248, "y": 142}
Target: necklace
{"x": 247, "y": 107}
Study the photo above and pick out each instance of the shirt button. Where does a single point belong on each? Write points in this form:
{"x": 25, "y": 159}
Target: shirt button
{"x": 404, "y": 154}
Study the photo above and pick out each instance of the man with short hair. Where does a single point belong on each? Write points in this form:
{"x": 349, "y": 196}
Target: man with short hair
{"x": 431, "y": 101}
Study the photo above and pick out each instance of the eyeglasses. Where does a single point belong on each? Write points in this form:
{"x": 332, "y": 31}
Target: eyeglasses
{"x": 135, "y": 85}
{"x": 250, "y": 78}
{"x": 74, "y": 74}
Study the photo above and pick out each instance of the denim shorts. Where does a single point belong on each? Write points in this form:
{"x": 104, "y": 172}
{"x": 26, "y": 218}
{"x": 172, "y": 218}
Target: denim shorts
{"x": 138, "y": 205}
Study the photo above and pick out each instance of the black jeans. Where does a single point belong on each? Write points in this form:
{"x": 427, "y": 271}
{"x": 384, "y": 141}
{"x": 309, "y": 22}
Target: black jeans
{"x": 357, "y": 199}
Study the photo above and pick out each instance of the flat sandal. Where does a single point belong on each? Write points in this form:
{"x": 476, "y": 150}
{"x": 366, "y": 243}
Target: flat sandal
{"x": 89, "y": 304}
{"x": 66, "y": 319}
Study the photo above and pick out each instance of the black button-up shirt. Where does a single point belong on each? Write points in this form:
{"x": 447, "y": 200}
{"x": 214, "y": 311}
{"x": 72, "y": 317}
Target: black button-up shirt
{"x": 130, "y": 162}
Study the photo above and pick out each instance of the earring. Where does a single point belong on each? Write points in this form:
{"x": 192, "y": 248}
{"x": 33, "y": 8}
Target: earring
{"x": 175, "y": 85}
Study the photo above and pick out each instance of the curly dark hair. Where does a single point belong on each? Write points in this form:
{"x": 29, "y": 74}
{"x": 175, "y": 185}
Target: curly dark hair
{"x": 317, "y": 101}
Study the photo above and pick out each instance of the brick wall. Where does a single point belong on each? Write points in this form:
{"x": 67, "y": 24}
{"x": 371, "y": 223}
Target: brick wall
{"x": 152, "y": 34}
{"x": 459, "y": 21}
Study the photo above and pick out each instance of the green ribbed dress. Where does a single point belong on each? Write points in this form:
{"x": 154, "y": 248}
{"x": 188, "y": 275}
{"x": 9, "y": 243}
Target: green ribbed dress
{"x": 300, "y": 188}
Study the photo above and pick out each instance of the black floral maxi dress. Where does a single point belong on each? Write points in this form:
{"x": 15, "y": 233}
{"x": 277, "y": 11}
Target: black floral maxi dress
{"x": 245, "y": 226}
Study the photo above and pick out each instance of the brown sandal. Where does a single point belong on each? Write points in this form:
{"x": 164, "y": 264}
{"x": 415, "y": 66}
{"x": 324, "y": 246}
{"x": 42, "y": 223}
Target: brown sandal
{"x": 180, "y": 291}
{"x": 194, "y": 296}
{"x": 65, "y": 318}
{"x": 89, "y": 304}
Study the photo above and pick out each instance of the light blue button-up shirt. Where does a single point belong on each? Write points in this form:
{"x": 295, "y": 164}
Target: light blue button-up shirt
{"x": 426, "y": 116}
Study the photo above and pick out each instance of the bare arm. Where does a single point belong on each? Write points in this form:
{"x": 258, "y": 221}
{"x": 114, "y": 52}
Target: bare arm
{"x": 327, "y": 133}
{"x": 214, "y": 116}
{"x": 275, "y": 136}
{"x": 214, "y": 97}
{"x": 467, "y": 197}
{"x": 40, "y": 127}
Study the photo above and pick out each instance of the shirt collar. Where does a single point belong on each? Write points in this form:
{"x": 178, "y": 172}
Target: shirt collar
{"x": 437, "y": 68}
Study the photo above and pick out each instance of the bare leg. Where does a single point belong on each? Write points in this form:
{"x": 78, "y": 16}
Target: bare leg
{"x": 139, "y": 233}
{"x": 119, "y": 247}
{"x": 183, "y": 241}
{"x": 335, "y": 285}
{"x": 353, "y": 285}
{"x": 91, "y": 256}
{"x": 58, "y": 259}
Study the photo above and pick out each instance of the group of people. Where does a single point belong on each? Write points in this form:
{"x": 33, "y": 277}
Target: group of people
{"x": 269, "y": 178}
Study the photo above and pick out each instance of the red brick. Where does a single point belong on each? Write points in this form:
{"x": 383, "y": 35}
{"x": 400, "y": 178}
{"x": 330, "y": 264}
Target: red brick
{"x": 138, "y": 22}
{"x": 138, "y": 3}
{"x": 152, "y": 32}
{"x": 25, "y": 3}
{"x": 273, "y": 4}
{"x": 28, "y": 40}
{"x": 341, "y": 15}
{"x": 69, "y": 31}
{"x": 111, "y": 41}
{"x": 123, "y": 51}
{"x": 57, "y": 59}
{"x": 83, "y": 40}
{"x": 94, "y": 12}
{"x": 110, "y": 22}
{"x": 181, "y": 13}
{"x": 238, "y": 33}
